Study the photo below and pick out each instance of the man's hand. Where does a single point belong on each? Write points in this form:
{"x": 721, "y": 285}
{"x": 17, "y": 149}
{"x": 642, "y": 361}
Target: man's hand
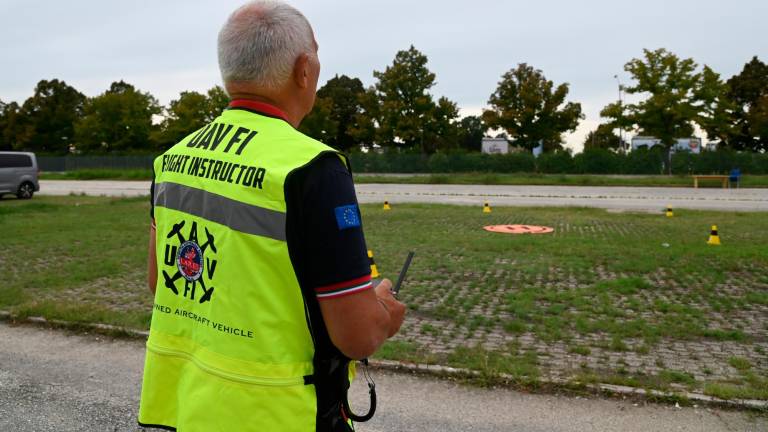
{"x": 395, "y": 308}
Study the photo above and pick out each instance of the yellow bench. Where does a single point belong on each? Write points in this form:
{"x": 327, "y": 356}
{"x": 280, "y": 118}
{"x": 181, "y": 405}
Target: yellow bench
{"x": 722, "y": 178}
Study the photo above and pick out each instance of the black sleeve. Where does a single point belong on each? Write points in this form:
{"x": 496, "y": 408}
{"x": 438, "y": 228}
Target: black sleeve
{"x": 325, "y": 228}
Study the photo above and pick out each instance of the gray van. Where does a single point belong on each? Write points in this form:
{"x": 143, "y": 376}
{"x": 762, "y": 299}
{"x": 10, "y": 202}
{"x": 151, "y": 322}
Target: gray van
{"x": 18, "y": 174}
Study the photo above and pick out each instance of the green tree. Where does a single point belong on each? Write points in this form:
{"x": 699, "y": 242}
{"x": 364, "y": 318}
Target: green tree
{"x": 441, "y": 130}
{"x": 48, "y": 117}
{"x": 343, "y": 93}
{"x": 399, "y": 110}
{"x": 403, "y": 92}
{"x": 602, "y": 138}
{"x": 10, "y": 125}
{"x": 216, "y": 102}
{"x": 748, "y": 91}
{"x": 4, "y": 145}
{"x": 367, "y": 128}
{"x": 532, "y": 109}
{"x": 188, "y": 113}
{"x": 120, "y": 119}
{"x": 617, "y": 116}
{"x": 319, "y": 123}
{"x": 471, "y": 132}
{"x": 716, "y": 114}
{"x": 182, "y": 116}
{"x": 758, "y": 123}
{"x": 674, "y": 89}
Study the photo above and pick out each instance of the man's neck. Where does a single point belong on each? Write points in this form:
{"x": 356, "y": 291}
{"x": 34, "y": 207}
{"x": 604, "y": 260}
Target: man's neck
{"x": 291, "y": 114}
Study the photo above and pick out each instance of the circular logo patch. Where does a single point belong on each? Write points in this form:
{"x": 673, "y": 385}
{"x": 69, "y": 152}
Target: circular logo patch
{"x": 190, "y": 261}
{"x": 518, "y": 229}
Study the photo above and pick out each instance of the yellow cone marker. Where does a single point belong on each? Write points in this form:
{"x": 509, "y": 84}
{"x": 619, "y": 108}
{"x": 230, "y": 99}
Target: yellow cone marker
{"x": 486, "y": 207}
{"x": 374, "y": 270}
{"x": 386, "y": 206}
{"x": 714, "y": 237}
{"x": 670, "y": 213}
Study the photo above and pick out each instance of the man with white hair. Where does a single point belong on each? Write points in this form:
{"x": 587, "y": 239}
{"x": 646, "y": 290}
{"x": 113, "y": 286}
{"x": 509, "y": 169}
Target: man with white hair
{"x": 266, "y": 290}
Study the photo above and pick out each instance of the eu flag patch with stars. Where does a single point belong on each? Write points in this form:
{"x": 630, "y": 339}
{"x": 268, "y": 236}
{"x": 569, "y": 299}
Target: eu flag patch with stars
{"x": 347, "y": 216}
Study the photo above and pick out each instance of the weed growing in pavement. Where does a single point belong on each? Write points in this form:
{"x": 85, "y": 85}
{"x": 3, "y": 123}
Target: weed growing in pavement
{"x": 674, "y": 376}
{"x": 581, "y": 350}
{"x": 740, "y": 363}
{"x": 737, "y": 391}
{"x": 520, "y": 365}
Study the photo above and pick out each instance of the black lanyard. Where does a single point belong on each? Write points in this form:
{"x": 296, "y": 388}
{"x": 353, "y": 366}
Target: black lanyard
{"x": 371, "y": 391}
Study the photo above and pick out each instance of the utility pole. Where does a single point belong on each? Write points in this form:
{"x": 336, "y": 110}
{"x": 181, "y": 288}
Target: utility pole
{"x": 621, "y": 112}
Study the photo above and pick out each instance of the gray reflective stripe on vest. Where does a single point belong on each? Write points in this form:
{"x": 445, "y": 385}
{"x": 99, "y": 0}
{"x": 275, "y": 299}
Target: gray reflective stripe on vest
{"x": 239, "y": 216}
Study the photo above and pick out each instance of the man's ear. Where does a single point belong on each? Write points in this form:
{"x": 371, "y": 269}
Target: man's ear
{"x": 301, "y": 71}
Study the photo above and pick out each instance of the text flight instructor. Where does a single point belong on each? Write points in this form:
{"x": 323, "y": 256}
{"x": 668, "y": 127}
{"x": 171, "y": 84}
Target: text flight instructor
{"x": 257, "y": 258}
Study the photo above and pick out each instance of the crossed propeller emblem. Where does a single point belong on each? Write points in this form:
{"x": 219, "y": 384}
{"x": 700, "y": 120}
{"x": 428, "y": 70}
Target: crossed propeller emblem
{"x": 170, "y": 281}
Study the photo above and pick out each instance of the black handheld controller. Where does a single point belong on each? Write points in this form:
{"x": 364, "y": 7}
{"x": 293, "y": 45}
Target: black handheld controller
{"x": 401, "y": 277}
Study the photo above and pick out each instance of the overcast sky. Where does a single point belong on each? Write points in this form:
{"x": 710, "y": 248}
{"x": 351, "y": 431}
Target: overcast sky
{"x": 168, "y": 46}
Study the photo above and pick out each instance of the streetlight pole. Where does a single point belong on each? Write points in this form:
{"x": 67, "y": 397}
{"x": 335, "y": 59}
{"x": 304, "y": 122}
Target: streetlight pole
{"x": 621, "y": 112}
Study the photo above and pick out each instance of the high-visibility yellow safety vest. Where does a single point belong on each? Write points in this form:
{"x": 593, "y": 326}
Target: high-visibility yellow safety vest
{"x": 229, "y": 346}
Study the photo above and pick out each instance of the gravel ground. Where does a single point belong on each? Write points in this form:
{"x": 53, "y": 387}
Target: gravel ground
{"x": 52, "y": 380}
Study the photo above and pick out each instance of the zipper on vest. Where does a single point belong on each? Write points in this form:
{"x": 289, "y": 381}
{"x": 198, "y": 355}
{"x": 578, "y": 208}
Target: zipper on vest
{"x": 262, "y": 381}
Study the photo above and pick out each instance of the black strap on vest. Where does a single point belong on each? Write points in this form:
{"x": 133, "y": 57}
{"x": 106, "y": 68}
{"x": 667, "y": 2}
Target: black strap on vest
{"x": 371, "y": 391}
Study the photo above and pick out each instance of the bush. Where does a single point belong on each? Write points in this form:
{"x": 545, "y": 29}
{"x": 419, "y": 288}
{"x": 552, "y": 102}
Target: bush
{"x": 407, "y": 162}
{"x": 438, "y": 163}
{"x": 595, "y": 161}
{"x": 468, "y": 162}
{"x": 720, "y": 162}
{"x": 684, "y": 163}
{"x": 523, "y": 162}
{"x": 479, "y": 162}
{"x": 643, "y": 161}
{"x": 759, "y": 163}
{"x": 389, "y": 162}
{"x": 555, "y": 163}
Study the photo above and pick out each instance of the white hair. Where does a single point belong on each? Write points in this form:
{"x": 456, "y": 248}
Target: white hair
{"x": 261, "y": 41}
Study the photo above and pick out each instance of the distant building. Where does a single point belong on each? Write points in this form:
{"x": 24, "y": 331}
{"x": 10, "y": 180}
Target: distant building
{"x": 539, "y": 149}
{"x": 495, "y": 146}
{"x": 691, "y": 144}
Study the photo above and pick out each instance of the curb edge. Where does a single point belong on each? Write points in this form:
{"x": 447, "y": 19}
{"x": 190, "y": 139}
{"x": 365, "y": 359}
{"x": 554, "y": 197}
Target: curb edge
{"x": 427, "y": 369}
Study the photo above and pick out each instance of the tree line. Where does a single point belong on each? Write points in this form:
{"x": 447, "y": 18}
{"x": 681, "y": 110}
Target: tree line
{"x": 399, "y": 113}
{"x": 679, "y": 95}
{"x": 58, "y": 119}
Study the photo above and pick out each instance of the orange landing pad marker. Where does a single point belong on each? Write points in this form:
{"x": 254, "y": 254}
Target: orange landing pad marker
{"x": 519, "y": 229}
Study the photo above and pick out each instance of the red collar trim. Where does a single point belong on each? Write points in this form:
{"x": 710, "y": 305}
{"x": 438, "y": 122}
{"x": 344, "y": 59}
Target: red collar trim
{"x": 258, "y": 108}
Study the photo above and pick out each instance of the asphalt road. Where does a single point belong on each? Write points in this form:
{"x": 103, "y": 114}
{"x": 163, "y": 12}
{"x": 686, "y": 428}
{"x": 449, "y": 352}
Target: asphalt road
{"x": 51, "y": 380}
{"x": 614, "y": 198}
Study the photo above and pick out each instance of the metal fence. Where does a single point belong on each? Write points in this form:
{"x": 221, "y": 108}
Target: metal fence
{"x": 588, "y": 162}
{"x": 72, "y": 163}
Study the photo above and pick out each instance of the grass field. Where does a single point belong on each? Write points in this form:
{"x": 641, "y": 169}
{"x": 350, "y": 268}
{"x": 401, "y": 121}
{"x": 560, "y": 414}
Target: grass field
{"x": 634, "y": 299}
{"x": 748, "y": 181}
{"x": 99, "y": 174}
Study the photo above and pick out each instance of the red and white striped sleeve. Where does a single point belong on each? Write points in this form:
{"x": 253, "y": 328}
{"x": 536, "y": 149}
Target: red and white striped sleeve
{"x": 342, "y": 289}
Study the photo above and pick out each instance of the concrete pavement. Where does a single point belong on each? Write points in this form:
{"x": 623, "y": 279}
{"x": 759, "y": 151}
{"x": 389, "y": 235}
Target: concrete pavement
{"x": 618, "y": 198}
{"x": 94, "y": 187}
{"x": 52, "y": 380}
{"x": 607, "y": 197}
